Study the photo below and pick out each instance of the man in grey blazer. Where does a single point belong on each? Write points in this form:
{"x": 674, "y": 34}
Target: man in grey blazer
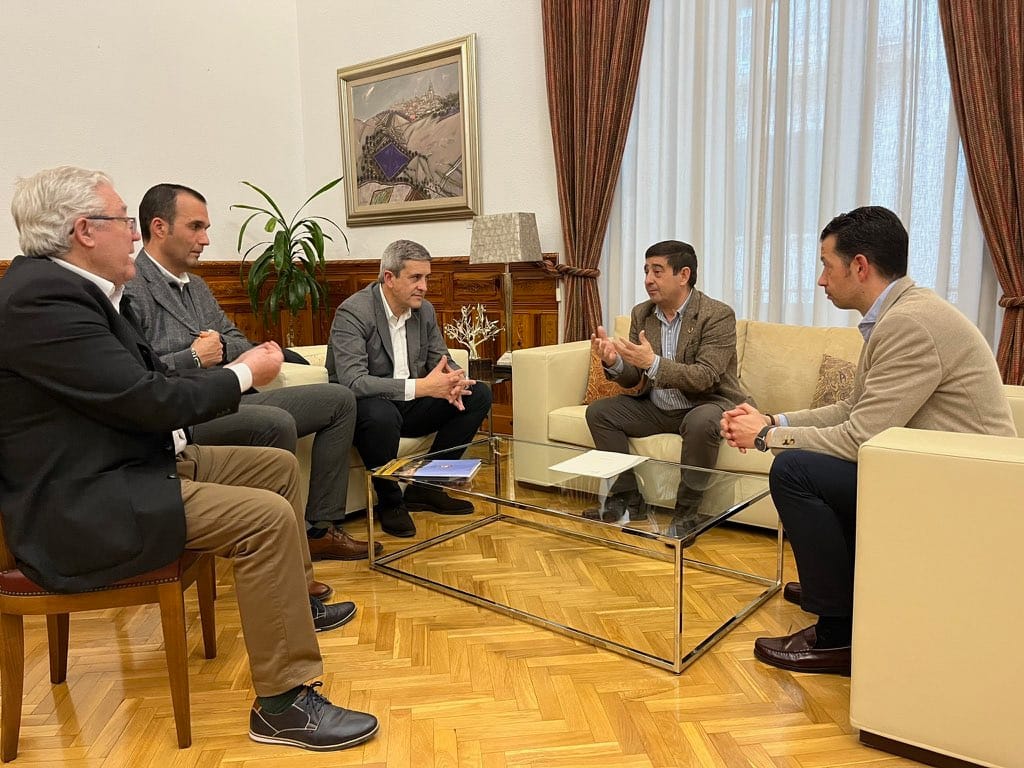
{"x": 188, "y": 329}
{"x": 923, "y": 366}
{"x": 682, "y": 346}
{"x": 387, "y": 348}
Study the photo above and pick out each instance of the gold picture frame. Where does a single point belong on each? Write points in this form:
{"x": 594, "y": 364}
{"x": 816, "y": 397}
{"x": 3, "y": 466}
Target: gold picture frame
{"x": 409, "y": 138}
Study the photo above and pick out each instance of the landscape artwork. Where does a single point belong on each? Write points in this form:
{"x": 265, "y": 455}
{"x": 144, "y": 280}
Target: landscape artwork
{"x": 409, "y": 136}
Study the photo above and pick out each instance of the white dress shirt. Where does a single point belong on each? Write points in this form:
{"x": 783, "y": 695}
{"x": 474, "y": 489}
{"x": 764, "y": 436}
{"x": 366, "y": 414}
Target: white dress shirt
{"x": 399, "y": 345}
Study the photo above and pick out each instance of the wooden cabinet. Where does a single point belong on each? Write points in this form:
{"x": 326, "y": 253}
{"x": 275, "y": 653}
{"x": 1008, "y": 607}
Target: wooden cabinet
{"x": 453, "y": 283}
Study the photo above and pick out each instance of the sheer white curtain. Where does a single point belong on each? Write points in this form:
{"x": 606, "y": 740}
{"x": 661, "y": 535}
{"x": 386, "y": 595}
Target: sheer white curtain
{"x": 757, "y": 121}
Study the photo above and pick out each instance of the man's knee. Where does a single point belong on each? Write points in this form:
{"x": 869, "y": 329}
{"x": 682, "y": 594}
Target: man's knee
{"x": 342, "y": 401}
{"x": 480, "y": 400}
{"x": 378, "y": 413}
{"x": 595, "y": 414}
{"x": 702, "y": 423}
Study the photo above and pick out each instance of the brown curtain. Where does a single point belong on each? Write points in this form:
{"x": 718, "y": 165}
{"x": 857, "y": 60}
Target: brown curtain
{"x": 985, "y": 52}
{"x": 592, "y": 51}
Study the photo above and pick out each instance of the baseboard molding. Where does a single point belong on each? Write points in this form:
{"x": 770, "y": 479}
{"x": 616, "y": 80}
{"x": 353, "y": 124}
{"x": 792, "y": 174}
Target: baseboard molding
{"x": 920, "y": 754}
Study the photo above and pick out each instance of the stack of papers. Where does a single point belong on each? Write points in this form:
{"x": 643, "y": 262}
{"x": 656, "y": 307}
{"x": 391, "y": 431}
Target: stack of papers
{"x": 598, "y": 464}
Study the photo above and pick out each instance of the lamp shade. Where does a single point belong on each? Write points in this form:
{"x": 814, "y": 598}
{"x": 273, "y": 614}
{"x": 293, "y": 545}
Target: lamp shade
{"x": 503, "y": 238}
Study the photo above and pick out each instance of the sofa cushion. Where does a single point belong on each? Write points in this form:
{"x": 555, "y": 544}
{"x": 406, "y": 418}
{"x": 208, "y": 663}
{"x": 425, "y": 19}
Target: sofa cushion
{"x": 780, "y": 363}
{"x": 835, "y": 381}
{"x": 600, "y": 386}
{"x": 569, "y": 425}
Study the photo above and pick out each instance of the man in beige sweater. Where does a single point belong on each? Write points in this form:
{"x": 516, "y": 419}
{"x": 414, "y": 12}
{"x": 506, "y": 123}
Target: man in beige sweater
{"x": 923, "y": 366}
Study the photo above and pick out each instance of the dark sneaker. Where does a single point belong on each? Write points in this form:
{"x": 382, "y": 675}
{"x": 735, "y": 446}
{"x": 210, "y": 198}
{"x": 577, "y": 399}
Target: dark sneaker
{"x": 312, "y": 722}
{"x": 327, "y": 617}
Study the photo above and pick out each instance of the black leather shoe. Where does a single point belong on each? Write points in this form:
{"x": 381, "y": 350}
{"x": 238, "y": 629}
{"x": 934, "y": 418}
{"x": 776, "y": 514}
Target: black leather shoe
{"x": 797, "y": 653}
{"x": 617, "y": 506}
{"x": 421, "y": 498}
{"x": 791, "y": 592}
{"x": 396, "y": 521}
{"x": 331, "y": 616}
{"x": 312, "y": 722}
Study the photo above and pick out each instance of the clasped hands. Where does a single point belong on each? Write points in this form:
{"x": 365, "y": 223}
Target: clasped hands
{"x": 610, "y": 350}
{"x": 209, "y": 348}
{"x": 742, "y": 424}
{"x": 446, "y": 383}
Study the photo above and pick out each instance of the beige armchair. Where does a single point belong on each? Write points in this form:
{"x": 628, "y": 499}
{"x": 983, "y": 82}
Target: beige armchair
{"x": 937, "y": 612}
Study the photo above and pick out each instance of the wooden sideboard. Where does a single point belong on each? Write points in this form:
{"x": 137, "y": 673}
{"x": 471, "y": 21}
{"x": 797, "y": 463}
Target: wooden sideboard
{"x": 454, "y": 282}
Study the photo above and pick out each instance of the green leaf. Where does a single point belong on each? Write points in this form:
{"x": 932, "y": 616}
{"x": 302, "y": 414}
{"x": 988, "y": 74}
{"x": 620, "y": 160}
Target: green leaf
{"x": 271, "y": 225}
{"x": 266, "y": 197}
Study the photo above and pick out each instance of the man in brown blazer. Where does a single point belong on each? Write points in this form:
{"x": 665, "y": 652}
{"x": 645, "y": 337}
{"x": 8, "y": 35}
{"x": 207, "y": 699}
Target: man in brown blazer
{"x": 923, "y": 366}
{"x": 682, "y": 345}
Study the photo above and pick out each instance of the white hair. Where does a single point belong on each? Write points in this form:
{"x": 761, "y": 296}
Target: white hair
{"x": 46, "y": 205}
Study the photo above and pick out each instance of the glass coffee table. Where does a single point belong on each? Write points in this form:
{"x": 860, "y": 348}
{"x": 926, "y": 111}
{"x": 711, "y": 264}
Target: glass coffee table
{"x": 657, "y": 580}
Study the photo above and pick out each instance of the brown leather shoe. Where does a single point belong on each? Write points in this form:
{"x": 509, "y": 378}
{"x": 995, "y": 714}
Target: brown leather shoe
{"x": 791, "y": 592}
{"x": 797, "y": 653}
{"x": 338, "y": 545}
{"x": 320, "y": 591}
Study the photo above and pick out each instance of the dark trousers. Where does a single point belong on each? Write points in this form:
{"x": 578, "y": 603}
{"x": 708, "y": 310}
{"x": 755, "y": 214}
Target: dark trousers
{"x": 381, "y": 423}
{"x": 613, "y": 420}
{"x": 816, "y": 497}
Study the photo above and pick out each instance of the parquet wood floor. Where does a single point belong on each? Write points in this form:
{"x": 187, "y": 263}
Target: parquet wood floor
{"x": 455, "y": 685}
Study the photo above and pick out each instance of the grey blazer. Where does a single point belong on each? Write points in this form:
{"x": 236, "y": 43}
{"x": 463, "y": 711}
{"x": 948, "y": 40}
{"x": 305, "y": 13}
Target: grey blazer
{"x": 360, "y": 354}
{"x": 168, "y": 327}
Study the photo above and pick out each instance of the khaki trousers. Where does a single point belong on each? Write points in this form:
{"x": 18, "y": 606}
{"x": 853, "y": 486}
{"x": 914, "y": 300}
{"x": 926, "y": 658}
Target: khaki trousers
{"x": 242, "y": 503}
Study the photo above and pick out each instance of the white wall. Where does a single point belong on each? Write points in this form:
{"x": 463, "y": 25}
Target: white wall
{"x": 210, "y": 93}
{"x": 197, "y": 92}
{"x": 516, "y": 160}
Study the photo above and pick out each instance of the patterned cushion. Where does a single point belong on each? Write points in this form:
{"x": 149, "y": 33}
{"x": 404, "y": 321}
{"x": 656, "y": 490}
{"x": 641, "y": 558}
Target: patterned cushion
{"x": 598, "y": 386}
{"x": 835, "y": 381}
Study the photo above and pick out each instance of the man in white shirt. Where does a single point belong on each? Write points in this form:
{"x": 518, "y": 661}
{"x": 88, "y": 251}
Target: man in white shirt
{"x": 387, "y": 348}
{"x": 96, "y": 481}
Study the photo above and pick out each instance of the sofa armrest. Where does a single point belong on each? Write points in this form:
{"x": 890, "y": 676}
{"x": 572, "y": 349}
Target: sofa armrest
{"x": 936, "y": 593}
{"x": 546, "y": 378}
{"x": 296, "y": 374}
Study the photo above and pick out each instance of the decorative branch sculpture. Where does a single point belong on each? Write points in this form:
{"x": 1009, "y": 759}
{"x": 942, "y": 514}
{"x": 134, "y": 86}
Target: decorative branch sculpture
{"x": 472, "y": 329}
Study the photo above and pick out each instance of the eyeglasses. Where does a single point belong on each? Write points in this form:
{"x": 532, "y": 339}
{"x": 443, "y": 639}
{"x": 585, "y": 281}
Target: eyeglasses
{"x": 129, "y": 221}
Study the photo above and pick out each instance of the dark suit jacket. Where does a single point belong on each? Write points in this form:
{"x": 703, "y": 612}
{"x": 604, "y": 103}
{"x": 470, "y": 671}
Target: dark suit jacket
{"x": 165, "y": 323}
{"x": 705, "y": 365}
{"x": 360, "y": 355}
{"x": 88, "y": 488}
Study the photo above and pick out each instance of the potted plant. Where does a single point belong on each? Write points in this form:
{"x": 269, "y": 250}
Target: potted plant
{"x": 294, "y": 259}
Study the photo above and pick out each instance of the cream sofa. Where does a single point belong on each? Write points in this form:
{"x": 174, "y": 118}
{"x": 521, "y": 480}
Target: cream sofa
{"x": 295, "y": 374}
{"x": 778, "y": 367}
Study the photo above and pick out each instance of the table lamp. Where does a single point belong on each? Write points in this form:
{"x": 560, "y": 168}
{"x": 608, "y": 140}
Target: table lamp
{"x": 505, "y": 238}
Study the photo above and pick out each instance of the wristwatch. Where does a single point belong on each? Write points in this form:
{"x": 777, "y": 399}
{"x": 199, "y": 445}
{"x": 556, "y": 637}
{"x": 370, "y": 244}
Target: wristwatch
{"x": 761, "y": 441}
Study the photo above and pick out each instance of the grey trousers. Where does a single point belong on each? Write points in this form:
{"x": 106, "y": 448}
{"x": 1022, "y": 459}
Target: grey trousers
{"x": 612, "y": 420}
{"x": 278, "y": 417}
{"x": 242, "y": 503}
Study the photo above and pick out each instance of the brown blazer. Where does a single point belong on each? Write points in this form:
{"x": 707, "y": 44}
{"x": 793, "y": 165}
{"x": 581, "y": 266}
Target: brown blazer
{"x": 705, "y": 365}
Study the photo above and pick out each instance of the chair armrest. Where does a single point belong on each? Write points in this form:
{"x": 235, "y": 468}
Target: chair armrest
{"x": 936, "y": 593}
{"x": 296, "y": 374}
{"x": 543, "y": 379}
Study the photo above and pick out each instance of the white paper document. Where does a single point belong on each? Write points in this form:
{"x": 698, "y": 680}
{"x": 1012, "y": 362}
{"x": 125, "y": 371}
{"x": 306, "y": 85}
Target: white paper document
{"x": 598, "y": 463}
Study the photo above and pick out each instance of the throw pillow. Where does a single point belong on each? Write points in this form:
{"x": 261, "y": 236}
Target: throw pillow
{"x": 599, "y": 387}
{"x": 835, "y": 381}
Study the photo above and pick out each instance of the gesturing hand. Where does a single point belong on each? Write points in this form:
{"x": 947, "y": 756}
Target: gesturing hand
{"x": 641, "y": 354}
{"x": 603, "y": 347}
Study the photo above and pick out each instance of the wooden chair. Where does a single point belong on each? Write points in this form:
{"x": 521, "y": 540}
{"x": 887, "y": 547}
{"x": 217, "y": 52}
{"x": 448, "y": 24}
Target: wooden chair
{"x": 20, "y": 596}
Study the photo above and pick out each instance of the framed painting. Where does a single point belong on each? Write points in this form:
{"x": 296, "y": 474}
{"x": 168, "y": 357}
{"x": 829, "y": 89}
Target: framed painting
{"x": 409, "y": 135}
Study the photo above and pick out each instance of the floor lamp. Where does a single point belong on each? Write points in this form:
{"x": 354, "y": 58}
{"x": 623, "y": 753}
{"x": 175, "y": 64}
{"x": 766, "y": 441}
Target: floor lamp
{"x": 505, "y": 238}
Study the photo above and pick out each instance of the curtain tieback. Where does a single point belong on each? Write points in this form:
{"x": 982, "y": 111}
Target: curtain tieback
{"x": 1011, "y": 302}
{"x": 563, "y": 270}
